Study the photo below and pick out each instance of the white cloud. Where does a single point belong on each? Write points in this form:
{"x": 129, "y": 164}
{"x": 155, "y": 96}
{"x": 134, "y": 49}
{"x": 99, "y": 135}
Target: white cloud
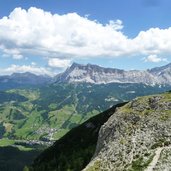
{"x": 153, "y": 41}
{"x": 25, "y": 68}
{"x": 39, "y": 33}
{"x": 15, "y": 53}
{"x": 155, "y": 59}
{"x": 58, "y": 63}
{"x": 116, "y": 25}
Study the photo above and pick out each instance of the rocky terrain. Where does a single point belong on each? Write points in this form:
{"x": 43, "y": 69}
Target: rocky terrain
{"x": 99, "y": 75}
{"x": 136, "y": 137}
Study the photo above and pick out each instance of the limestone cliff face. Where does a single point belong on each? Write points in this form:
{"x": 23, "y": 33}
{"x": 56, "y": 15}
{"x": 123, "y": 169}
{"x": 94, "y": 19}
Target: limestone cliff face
{"x": 99, "y": 75}
{"x": 136, "y": 137}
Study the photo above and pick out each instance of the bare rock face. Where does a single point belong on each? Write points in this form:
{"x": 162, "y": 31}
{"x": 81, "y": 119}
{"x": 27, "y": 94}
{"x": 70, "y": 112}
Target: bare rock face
{"x": 98, "y": 75}
{"x": 136, "y": 137}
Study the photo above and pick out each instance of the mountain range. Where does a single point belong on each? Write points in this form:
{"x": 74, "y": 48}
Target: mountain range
{"x": 95, "y": 74}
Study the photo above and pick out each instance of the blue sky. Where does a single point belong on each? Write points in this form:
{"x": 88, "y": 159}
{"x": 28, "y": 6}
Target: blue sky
{"x": 47, "y": 36}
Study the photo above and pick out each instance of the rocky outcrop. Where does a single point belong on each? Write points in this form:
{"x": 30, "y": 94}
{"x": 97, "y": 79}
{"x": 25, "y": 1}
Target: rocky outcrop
{"x": 135, "y": 136}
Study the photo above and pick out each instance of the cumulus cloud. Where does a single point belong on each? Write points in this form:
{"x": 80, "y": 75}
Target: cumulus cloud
{"x": 25, "y": 68}
{"x": 155, "y": 59}
{"x": 58, "y": 63}
{"x": 116, "y": 25}
{"x": 40, "y": 33}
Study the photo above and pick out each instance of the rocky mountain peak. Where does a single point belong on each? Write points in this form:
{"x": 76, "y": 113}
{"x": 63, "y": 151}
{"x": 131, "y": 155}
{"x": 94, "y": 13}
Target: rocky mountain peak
{"x": 95, "y": 74}
{"x": 75, "y": 65}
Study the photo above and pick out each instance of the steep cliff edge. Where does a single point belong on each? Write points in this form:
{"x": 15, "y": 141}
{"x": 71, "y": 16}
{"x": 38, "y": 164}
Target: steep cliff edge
{"x": 136, "y": 137}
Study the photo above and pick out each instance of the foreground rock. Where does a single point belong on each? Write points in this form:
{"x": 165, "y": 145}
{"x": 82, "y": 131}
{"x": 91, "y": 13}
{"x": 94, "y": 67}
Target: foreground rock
{"x": 136, "y": 137}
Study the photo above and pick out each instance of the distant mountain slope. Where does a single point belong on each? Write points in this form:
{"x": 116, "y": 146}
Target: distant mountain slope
{"x": 75, "y": 149}
{"x": 89, "y": 73}
{"x": 22, "y": 80}
{"x": 98, "y": 75}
